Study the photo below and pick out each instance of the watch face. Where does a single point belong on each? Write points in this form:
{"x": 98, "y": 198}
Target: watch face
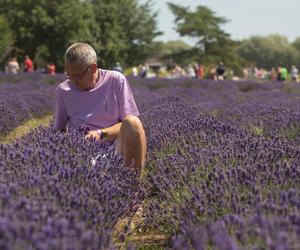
{"x": 103, "y": 135}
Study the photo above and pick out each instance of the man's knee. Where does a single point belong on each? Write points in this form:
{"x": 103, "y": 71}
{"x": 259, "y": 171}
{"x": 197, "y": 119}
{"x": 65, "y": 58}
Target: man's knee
{"x": 133, "y": 123}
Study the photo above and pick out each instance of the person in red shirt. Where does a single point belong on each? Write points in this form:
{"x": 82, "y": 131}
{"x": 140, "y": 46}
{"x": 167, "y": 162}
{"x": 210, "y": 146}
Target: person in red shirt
{"x": 51, "y": 69}
{"x": 28, "y": 64}
{"x": 200, "y": 72}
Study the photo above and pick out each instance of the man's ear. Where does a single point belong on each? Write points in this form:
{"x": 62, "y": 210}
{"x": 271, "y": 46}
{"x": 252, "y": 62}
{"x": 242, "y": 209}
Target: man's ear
{"x": 94, "y": 67}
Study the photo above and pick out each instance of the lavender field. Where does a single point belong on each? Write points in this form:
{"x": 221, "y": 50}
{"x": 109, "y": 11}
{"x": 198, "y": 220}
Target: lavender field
{"x": 222, "y": 171}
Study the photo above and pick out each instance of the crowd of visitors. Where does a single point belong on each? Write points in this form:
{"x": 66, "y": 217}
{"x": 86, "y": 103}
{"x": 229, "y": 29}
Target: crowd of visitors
{"x": 200, "y": 71}
{"x": 279, "y": 73}
{"x": 219, "y": 72}
{"x": 13, "y": 66}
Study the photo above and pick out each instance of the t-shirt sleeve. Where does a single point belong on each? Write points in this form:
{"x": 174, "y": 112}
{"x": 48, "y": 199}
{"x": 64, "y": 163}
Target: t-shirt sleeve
{"x": 126, "y": 103}
{"x": 60, "y": 112}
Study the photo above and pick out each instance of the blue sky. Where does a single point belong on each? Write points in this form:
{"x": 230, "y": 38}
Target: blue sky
{"x": 246, "y": 18}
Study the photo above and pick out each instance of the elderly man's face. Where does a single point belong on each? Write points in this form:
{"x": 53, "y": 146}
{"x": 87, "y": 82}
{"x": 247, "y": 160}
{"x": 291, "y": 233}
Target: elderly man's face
{"x": 82, "y": 77}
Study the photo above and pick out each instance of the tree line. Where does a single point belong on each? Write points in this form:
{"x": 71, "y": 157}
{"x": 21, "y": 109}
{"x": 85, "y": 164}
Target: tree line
{"x": 125, "y": 31}
{"x": 119, "y": 30}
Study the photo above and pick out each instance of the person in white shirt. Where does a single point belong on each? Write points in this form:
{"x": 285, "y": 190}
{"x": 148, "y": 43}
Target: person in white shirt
{"x": 294, "y": 73}
{"x": 13, "y": 66}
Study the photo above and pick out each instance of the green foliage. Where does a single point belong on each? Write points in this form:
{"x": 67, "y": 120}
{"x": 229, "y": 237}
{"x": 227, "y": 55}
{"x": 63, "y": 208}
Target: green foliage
{"x": 44, "y": 29}
{"x": 257, "y": 130}
{"x": 296, "y": 44}
{"x": 269, "y": 51}
{"x": 172, "y": 51}
{"x": 293, "y": 132}
{"x": 6, "y": 38}
{"x": 126, "y": 32}
{"x": 171, "y": 47}
{"x": 213, "y": 43}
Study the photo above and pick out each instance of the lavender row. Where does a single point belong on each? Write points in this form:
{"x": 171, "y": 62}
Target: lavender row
{"x": 209, "y": 169}
{"x": 201, "y": 173}
{"x": 25, "y": 96}
{"x": 52, "y": 196}
{"x": 23, "y": 100}
{"x": 268, "y": 109}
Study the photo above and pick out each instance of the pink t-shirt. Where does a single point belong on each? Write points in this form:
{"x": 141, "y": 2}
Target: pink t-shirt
{"x": 108, "y": 103}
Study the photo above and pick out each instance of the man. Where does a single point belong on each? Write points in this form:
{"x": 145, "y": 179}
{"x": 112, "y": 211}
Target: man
{"x": 102, "y": 100}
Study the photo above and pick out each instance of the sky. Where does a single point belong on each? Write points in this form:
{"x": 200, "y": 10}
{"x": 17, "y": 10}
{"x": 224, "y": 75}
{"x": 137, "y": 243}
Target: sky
{"x": 246, "y": 17}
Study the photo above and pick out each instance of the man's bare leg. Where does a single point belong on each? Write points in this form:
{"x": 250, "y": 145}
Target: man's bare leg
{"x": 131, "y": 142}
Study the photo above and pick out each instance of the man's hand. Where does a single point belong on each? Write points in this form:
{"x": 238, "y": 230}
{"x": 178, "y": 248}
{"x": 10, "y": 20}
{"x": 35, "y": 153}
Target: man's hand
{"x": 93, "y": 134}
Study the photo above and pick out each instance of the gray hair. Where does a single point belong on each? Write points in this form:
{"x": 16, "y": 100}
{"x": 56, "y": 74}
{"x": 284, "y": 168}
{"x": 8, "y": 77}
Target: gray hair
{"x": 81, "y": 53}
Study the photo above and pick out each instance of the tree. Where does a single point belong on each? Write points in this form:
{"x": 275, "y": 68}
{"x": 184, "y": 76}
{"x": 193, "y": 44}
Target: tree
{"x": 268, "y": 51}
{"x": 6, "y": 38}
{"x": 46, "y": 28}
{"x": 213, "y": 44}
{"x": 172, "y": 51}
{"x": 296, "y": 45}
{"x": 127, "y": 33}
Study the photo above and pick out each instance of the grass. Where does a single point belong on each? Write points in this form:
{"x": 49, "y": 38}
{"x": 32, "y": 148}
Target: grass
{"x": 257, "y": 130}
{"x": 291, "y": 133}
{"x": 215, "y": 113}
{"x": 291, "y": 89}
{"x": 247, "y": 87}
{"x": 156, "y": 85}
{"x": 25, "y": 127}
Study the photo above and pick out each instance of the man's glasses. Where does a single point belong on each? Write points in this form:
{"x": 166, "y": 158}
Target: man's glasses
{"x": 79, "y": 76}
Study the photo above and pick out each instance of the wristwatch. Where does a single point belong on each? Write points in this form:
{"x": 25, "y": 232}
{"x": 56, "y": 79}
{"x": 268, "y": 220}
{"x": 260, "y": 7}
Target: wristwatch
{"x": 102, "y": 134}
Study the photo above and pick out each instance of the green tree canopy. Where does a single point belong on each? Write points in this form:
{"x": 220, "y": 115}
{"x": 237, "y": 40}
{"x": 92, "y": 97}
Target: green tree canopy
{"x": 6, "y": 38}
{"x": 213, "y": 43}
{"x": 119, "y": 30}
{"x": 172, "y": 51}
{"x": 269, "y": 51}
{"x": 45, "y": 28}
{"x": 296, "y": 45}
{"x": 127, "y": 30}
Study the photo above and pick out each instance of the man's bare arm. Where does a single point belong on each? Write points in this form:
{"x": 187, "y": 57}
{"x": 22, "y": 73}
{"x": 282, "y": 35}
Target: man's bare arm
{"x": 111, "y": 133}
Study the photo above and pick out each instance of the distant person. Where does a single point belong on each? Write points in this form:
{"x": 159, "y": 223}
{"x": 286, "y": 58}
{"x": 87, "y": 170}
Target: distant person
{"x": 213, "y": 72}
{"x": 51, "y": 69}
{"x": 294, "y": 74}
{"x": 278, "y": 71}
{"x": 245, "y": 73}
{"x": 134, "y": 71}
{"x": 118, "y": 67}
{"x": 283, "y": 75}
{"x": 13, "y": 66}
{"x": 221, "y": 71}
{"x": 273, "y": 74}
{"x": 191, "y": 71}
{"x": 144, "y": 71}
{"x": 200, "y": 72}
{"x": 28, "y": 64}
{"x": 196, "y": 66}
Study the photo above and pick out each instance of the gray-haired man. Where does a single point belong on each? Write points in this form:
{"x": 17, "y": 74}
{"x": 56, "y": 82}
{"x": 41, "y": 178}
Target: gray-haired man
{"x": 102, "y": 100}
